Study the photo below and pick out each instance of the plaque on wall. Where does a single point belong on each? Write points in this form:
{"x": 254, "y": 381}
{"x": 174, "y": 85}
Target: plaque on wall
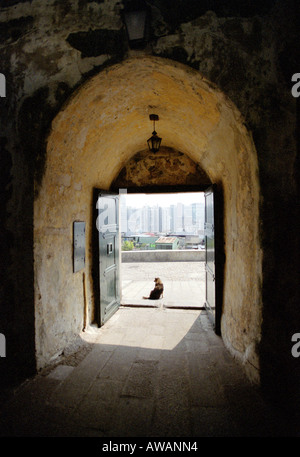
{"x": 78, "y": 246}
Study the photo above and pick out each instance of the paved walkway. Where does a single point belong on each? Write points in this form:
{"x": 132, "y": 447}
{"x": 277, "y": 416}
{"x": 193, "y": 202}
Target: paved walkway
{"x": 184, "y": 283}
{"x": 147, "y": 373}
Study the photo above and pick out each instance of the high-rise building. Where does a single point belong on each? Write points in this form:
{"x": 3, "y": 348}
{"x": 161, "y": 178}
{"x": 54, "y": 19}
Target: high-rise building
{"x": 172, "y": 218}
{"x": 187, "y": 219}
{"x": 164, "y": 219}
{"x": 179, "y": 223}
{"x": 154, "y": 219}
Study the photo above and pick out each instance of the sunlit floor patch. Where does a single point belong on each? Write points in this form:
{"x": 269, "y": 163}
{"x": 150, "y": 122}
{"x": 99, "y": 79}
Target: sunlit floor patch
{"x": 184, "y": 284}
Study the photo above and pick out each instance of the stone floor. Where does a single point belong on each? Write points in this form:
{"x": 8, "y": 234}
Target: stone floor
{"x": 184, "y": 283}
{"x": 148, "y": 372}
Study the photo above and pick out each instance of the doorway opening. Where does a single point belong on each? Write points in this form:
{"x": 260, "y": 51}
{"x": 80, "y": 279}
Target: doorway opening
{"x": 163, "y": 236}
{"x": 142, "y": 237}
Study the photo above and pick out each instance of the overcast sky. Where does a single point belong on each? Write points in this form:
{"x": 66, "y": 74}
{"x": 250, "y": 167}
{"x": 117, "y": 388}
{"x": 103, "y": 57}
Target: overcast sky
{"x": 139, "y": 200}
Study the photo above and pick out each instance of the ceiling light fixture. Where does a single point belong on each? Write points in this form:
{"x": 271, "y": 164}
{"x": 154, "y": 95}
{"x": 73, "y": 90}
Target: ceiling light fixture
{"x": 154, "y": 141}
{"x": 136, "y": 19}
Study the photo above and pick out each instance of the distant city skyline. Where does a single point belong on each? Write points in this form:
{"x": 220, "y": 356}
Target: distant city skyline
{"x": 163, "y": 213}
{"x": 164, "y": 199}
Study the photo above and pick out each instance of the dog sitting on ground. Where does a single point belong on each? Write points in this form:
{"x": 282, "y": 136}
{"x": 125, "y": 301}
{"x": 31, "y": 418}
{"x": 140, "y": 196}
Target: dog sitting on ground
{"x": 157, "y": 292}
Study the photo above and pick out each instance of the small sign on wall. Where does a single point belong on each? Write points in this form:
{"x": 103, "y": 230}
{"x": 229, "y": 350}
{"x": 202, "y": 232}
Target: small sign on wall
{"x": 78, "y": 246}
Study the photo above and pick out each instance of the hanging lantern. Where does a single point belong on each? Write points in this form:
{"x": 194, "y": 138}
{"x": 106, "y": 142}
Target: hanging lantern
{"x": 154, "y": 141}
{"x": 135, "y": 16}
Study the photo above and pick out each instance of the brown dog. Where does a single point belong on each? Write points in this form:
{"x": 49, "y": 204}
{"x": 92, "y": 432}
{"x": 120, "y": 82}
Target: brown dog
{"x": 158, "y": 290}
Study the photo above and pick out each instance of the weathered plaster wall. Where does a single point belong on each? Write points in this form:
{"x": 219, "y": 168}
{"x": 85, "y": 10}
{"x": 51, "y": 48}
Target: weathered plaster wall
{"x": 249, "y": 50}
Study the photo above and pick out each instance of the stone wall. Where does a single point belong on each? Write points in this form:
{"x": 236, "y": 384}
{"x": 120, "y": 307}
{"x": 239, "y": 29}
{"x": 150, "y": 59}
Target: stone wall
{"x": 165, "y": 255}
{"x": 49, "y": 49}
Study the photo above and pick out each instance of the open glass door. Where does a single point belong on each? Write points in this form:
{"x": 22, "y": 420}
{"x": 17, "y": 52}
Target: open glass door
{"x": 213, "y": 256}
{"x": 109, "y": 261}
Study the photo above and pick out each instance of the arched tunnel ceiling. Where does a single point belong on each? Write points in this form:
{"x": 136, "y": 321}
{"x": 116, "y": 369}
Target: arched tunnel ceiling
{"x": 108, "y": 117}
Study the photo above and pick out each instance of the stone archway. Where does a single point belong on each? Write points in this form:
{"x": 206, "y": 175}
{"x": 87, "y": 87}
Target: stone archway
{"x": 167, "y": 168}
{"x": 104, "y": 124}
